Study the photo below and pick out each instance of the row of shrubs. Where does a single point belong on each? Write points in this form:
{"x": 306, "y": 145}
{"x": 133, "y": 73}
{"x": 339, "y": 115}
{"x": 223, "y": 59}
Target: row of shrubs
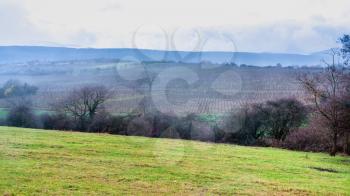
{"x": 154, "y": 124}
{"x": 275, "y": 123}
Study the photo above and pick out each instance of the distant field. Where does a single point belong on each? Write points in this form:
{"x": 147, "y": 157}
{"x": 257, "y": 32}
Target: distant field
{"x": 215, "y": 89}
{"x": 36, "y": 162}
{"x": 4, "y": 112}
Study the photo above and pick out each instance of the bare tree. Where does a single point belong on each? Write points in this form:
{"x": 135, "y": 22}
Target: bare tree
{"x": 84, "y": 103}
{"x": 146, "y": 83}
{"x": 345, "y": 50}
{"x": 327, "y": 90}
{"x": 345, "y": 122}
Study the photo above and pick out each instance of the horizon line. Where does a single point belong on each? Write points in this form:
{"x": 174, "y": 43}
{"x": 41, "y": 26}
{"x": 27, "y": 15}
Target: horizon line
{"x": 159, "y": 50}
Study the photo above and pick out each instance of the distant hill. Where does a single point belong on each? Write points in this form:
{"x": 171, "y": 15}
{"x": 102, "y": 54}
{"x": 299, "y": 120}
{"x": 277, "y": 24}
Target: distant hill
{"x": 20, "y": 54}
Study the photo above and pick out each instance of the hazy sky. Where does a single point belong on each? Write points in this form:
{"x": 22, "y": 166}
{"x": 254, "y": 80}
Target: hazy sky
{"x": 296, "y": 26}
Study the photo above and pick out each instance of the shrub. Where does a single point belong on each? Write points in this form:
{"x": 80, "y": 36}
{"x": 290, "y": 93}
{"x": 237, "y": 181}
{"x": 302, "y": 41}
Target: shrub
{"x": 282, "y": 116}
{"x": 101, "y": 123}
{"x": 243, "y": 127}
{"x": 151, "y": 124}
{"x": 308, "y": 139}
{"x": 162, "y": 122}
{"x": 104, "y": 122}
{"x": 202, "y": 131}
{"x": 140, "y": 126}
{"x": 119, "y": 124}
{"x": 273, "y": 119}
{"x": 219, "y": 133}
{"x": 315, "y": 137}
{"x": 21, "y": 116}
{"x": 184, "y": 126}
{"x": 57, "y": 122}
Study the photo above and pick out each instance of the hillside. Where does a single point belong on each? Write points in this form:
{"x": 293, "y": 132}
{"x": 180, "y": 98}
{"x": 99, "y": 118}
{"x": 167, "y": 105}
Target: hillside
{"x": 20, "y": 54}
{"x": 65, "y": 163}
{"x": 213, "y": 89}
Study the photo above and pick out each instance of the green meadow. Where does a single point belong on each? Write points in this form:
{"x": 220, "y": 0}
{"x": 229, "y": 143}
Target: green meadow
{"x": 34, "y": 162}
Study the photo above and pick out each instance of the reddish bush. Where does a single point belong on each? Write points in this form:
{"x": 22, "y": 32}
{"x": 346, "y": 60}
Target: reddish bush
{"x": 308, "y": 139}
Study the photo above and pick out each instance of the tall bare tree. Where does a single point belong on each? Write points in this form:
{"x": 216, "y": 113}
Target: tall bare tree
{"x": 145, "y": 82}
{"x": 345, "y": 50}
{"x": 327, "y": 90}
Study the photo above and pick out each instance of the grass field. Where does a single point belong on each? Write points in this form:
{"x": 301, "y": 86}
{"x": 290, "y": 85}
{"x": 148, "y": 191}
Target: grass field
{"x": 36, "y": 162}
{"x": 4, "y": 112}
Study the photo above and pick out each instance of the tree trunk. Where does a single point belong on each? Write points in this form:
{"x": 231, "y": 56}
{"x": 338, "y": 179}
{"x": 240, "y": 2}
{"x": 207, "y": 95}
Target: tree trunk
{"x": 334, "y": 145}
{"x": 347, "y": 143}
{"x": 154, "y": 126}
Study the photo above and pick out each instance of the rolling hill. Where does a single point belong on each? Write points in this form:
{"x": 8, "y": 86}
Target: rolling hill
{"x": 34, "y": 162}
{"x": 20, "y": 54}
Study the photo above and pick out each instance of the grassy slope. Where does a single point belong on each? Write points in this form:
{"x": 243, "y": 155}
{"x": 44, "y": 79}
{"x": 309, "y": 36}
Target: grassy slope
{"x": 48, "y": 162}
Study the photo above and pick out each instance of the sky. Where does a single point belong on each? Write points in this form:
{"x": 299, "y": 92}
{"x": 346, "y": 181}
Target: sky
{"x": 284, "y": 26}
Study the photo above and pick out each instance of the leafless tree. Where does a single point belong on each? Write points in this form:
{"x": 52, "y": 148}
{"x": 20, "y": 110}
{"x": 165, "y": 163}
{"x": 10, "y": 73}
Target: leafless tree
{"x": 327, "y": 90}
{"x": 345, "y": 122}
{"x": 146, "y": 82}
{"x": 84, "y": 103}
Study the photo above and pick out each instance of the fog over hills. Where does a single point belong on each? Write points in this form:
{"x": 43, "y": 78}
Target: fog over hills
{"x": 21, "y": 54}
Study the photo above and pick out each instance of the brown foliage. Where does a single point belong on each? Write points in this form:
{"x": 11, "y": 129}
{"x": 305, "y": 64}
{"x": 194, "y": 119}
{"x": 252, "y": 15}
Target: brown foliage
{"x": 327, "y": 90}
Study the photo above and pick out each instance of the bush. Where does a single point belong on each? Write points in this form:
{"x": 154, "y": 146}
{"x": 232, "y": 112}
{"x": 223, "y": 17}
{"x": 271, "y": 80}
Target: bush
{"x": 243, "y": 127}
{"x": 104, "y": 122}
{"x": 273, "y": 119}
{"x": 315, "y": 137}
{"x": 101, "y": 123}
{"x": 308, "y": 139}
{"x": 151, "y": 125}
{"x": 56, "y": 122}
{"x": 21, "y": 116}
{"x": 162, "y": 122}
{"x": 282, "y": 116}
{"x": 140, "y": 126}
{"x": 202, "y": 131}
{"x": 219, "y": 133}
{"x": 119, "y": 124}
{"x": 3, "y": 122}
{"x": 184, "y": 126}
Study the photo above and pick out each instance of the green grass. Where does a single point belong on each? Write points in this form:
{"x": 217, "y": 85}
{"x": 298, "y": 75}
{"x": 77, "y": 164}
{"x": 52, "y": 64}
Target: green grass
{"x": 37, "y": 162}
{"x": 211, "y": 118}
{"x": 5, "y": 111}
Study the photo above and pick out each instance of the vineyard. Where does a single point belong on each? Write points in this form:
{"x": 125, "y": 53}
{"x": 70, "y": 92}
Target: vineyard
{"x": 188, "y": 88}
